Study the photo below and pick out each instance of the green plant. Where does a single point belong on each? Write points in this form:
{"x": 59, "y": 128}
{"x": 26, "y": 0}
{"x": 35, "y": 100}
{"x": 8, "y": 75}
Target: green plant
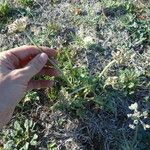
{"x": 128, "y": 79}
{"x": 25, "y": 2}
{"x": 21, "y": 136}
{"x": 51, "y": 60}
{"x": 31, "y": 96}
{"x": 138, "y": 117}
{"x": 52, "y": 145}
{"x": 4, "y": 8}
{"x": 52, "y": 28}
{"x": 140, "y": 140}
{"x": 130, "y": 144}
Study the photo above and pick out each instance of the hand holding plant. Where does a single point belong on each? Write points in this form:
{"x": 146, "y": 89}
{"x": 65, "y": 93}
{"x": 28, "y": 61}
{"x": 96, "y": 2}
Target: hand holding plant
{"x": 17, "y": 67}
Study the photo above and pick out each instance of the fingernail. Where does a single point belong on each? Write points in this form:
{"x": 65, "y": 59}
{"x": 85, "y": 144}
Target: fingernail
{"x": 43, "y": 57}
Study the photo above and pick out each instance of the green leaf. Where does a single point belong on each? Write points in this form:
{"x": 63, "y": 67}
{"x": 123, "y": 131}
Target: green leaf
{"x": 9, "y": 145}
{"x": 51, "y": 145}
{"x": 13, "y": 133}
{"x": 33, "y": 141}
{"x": 26, "y": 124}
{"x": 30, "y": 123}
{"x": 25, "y": 147}
{"x": 17, "y": 125}
{"x": 35, "y": 137}
{"x": 131, "y": 85}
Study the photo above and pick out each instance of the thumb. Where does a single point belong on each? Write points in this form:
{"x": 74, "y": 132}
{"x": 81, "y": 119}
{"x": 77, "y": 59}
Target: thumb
{"x": 35, "y": 66}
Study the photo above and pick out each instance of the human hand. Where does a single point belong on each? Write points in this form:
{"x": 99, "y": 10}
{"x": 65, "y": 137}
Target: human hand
{"x": 17, "y": 67}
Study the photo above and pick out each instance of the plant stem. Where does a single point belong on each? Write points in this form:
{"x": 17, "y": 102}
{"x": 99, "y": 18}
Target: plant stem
{"x": 49, "y": 59}
{"x": 106, "y": 68}
{"x": 135, "y": 136}
{"x": 78, "y": 90}
{"x": 100, "y": 75}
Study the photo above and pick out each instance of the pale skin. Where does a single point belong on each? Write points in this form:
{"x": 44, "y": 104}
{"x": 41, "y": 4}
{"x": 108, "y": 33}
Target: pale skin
{"x": 17, "y": 67}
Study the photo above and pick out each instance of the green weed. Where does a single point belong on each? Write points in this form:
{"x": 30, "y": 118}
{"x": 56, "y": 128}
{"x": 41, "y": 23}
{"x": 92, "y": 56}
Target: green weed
{"x": 52, "y": 29}
{"x": 21, "y": 136}
{"x": 4, "y": 8}
{"x": 129, "y": 80}
{"x": 26, "y": 2}
{"x": 52, "y": 145}
{"x": 31, "y": 96}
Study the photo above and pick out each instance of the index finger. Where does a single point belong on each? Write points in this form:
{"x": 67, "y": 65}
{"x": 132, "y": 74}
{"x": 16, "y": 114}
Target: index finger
{"x": 25, "y": 52}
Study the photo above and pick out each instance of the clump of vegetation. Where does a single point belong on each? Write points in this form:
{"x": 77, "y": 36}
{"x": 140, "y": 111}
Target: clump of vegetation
{"x": 26, "y": 2}
{"x": 21, "y": 136}
{"x": 31, "y": 96}
{"x": 129, "y": 80}
{"x": 18, "y": 25}
{"x": 52, "y": 146}
{"x": 4, "y": 8}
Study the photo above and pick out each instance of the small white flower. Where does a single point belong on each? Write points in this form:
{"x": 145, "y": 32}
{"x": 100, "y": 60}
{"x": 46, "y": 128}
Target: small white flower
{"x": 147, "y": 126}
{"x": 88, "y": 40}
{"x": 133, "y": 106}
{"x": 136, "y": 114}
{"x": 145, "y": 114}
{"x": 111, "y": 81}
{"x": 129, "y": 115}
{"x": 36, "y": 30}
{"x": 131, "y": 126}
{"x": 143, "y": 124}
{"x": 135, "y": 121}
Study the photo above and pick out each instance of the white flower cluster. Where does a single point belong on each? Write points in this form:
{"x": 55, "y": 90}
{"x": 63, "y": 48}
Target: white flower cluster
{"x": 18, "y": 25}
{"x": 112, "y": 81}
{"x": 137, "y": 117}
{"x": 88, "y": 40}
{"x": 122, "y": 56}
